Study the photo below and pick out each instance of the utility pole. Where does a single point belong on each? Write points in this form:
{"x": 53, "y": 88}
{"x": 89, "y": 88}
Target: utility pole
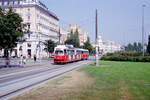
{"x": 96, "y": 39}
{"x": 143, "y": 30}
{"x": 59, "y": 36}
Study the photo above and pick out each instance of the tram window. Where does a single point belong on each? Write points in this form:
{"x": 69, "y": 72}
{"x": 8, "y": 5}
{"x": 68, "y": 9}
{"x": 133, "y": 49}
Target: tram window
{"x": 72, "y": 52}
{"x": 69, "y": 52}
{"x": 79, "y": 52}
{"x": 59, "y": 52}
{"x": 65, "y": 51}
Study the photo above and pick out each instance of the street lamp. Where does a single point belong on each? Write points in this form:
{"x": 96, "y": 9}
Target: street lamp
{"x": 143, "y": 30}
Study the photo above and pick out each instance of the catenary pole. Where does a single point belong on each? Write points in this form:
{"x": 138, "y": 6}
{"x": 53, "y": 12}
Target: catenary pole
{"x": 96, "y": 38}
{"x": 59, "y": 35}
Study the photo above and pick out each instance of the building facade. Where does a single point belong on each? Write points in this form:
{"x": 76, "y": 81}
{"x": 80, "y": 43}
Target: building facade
{"x": 64, "y": 35}
{"x": 41, "y": 22}
{"x": 107, "y": 47}
{"x": 82, "y": 36}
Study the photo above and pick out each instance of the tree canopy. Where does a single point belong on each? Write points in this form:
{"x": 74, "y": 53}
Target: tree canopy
{"x": 87, "y": 45}
{"x": 50, "y": 45}
{"x": 73, "y": 39}
{"x": 148, "y": 47}
{"x": 11, "y": 29}
{"x": 136, "y": 47}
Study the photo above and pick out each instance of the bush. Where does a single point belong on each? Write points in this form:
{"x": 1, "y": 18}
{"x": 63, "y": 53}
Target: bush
{"x": 126, "y": 58}
{"x": 146, "y": 59}
{"x": 133, "y": 54}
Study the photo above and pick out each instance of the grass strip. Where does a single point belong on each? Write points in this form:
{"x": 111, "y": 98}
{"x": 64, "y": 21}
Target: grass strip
{"x": 116, "y": 81}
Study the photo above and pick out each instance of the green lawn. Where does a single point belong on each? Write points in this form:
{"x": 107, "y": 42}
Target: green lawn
{"x": 117, "y": 81}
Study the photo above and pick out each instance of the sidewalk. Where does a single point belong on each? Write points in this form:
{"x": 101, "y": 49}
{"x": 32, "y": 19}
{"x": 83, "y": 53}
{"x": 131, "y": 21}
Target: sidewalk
{"x": 30, "y": 62}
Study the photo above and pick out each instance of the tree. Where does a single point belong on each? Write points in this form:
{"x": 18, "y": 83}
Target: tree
{"x": 73, "y": 39}
{"x": 129, "y": 47}
{"x": 87, "y": 45}
{"x": 11, "y": 30}
{"x": 50, "y": 45}
{"x": 139, "y": 47}
{"x": 135, "y": 46}
{"x": 148, "y": 47}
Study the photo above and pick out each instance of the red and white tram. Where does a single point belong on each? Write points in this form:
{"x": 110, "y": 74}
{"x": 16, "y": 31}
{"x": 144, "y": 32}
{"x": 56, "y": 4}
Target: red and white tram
{"x": 67, "y": 53}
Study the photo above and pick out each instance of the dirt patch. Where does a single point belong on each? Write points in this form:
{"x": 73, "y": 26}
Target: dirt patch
{"x": 125, "y": 93}
{"x": 59, "y": 88}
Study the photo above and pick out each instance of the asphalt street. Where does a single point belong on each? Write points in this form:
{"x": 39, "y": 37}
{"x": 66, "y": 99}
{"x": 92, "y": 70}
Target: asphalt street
{"x": 16, "y": 80}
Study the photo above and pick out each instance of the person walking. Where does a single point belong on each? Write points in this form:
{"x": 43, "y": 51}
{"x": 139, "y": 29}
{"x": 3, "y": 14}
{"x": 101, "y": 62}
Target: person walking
{"x": 34, "y": 58}
{"x": 24, "y": 60}
{"x": 21, "y": 61}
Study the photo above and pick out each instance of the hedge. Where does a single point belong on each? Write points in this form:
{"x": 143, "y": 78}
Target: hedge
{"x": 126, "y": 58}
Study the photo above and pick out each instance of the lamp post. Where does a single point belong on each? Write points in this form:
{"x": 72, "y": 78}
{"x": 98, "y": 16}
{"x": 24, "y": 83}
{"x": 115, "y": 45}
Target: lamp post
{"x": 143, "y": 30}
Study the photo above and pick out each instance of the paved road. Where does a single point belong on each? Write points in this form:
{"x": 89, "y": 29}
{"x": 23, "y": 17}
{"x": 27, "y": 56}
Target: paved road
{"x": 30, "y": 64}
{"x": 15, "y": 81}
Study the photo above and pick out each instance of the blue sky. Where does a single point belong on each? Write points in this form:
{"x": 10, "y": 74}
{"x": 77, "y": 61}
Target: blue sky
{"x": 119, "y": 20}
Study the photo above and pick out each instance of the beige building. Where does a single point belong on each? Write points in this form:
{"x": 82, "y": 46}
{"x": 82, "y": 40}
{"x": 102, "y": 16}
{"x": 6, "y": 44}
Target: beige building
{"x": 82, "y": 36}
{"x": 85, "y": 37}
{"x": 42, "y": 23}
{"x": 73, "y": 27}
{"x": 64, "y": 35}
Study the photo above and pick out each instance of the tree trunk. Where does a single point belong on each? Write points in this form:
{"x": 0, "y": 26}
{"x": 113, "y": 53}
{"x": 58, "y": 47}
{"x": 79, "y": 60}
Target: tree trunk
{"x": 6, "y": 55}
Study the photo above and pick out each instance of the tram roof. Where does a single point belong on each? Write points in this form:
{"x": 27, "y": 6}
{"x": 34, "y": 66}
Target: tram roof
{"x": 69, "y": 47}
{"x": 81, "y": 49}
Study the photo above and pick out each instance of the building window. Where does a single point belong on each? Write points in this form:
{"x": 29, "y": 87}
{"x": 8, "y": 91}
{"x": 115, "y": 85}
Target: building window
{"x": 20, "y": 48}
{"x": 29, "y": 26}
{"x": 15, "y": 2}
{"x": 21, "y": 2}
{"x": 0, "y": 3}
{"x": 28, "y": 17}
{"x": 28, "y": 9}
{"x": 18, "y": 2}
{"x": 37, "y": 27}
{"x": 5, "y": 3}
{"x": 11, "y": 3}
{"x": 29, "y": 45}
{"x": 8, "y": 3}
{"x": 28, "y": 14}
{"x": 37, "y": 15}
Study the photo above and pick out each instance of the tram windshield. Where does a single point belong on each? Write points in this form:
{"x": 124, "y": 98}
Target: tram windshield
{"x": 59, "y": 52}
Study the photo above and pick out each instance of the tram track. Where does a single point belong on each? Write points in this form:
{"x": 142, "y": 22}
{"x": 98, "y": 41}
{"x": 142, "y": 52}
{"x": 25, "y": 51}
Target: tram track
{"x": 45, "y": 75}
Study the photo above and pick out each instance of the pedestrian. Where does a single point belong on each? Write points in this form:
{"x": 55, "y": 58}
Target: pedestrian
{"x": 24, "y": 60}
{"x": 34, "y": 58}
{"x": 21, "y": 61}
